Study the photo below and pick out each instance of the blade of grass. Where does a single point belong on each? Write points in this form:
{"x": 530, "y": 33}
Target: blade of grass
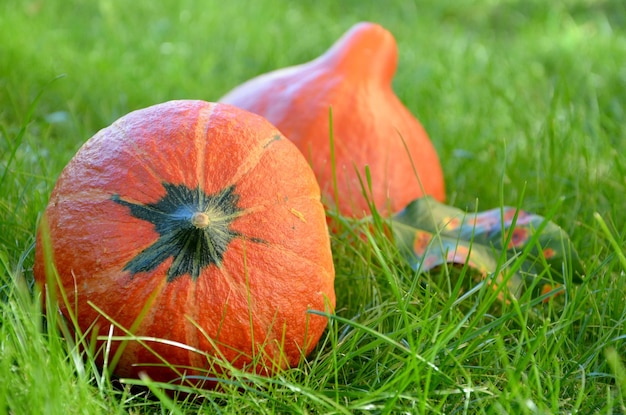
{"x": 609, "y": 235}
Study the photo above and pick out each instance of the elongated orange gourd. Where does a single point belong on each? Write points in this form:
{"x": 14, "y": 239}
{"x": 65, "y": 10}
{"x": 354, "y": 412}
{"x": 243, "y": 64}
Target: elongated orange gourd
{"x": 199, "y": 228}
{"x": 371, "y": 126}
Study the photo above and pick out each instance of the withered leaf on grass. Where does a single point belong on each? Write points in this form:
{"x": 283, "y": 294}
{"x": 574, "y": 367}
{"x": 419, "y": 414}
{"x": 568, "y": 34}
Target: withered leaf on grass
{"x": 431, "y": 234}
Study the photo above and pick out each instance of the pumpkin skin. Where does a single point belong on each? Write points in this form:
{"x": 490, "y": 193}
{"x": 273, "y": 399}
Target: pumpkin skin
{"x": 371, "y": 126}
{"x": 208, "y": 219}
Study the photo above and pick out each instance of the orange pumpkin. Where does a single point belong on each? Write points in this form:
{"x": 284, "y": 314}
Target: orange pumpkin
{"x": 198, "y": 223}
{"x": 371, "y": 126}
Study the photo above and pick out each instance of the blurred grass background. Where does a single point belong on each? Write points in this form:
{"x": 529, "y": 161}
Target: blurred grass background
{"x": 495, "y": 83}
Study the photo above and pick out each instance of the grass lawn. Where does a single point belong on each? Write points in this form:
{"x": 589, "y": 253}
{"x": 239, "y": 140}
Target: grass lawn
{"x": 525, "y": 101}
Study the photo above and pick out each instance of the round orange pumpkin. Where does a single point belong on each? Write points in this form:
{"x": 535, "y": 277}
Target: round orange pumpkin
{"x": 198, "y": 223}
{"x": 371, "y": 126}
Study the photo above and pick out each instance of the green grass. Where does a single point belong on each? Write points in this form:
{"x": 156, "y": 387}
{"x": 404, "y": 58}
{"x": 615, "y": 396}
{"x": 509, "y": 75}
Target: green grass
{"x": 526, "y": 103}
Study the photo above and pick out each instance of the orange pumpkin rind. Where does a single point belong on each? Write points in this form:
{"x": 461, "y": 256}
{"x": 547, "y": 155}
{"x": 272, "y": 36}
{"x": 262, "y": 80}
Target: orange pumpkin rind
{"x": 190, "y": 204}
{"x": 371, "y": 127}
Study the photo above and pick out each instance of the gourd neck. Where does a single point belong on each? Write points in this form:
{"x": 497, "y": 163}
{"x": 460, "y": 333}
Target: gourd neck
{"x": 367, "y": 52}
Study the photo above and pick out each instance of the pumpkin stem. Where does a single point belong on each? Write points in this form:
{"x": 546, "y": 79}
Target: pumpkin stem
{"x": 200, "y": 220}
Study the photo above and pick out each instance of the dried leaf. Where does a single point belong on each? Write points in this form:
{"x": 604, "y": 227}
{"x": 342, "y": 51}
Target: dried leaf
{"x": 431, "y": 234}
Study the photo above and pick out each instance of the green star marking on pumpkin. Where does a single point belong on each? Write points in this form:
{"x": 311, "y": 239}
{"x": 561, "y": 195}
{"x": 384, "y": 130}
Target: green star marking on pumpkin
{"x": 194, "y": 229}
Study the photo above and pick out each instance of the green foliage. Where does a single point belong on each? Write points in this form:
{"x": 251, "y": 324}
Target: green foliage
{"x": 525, "y": 101}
